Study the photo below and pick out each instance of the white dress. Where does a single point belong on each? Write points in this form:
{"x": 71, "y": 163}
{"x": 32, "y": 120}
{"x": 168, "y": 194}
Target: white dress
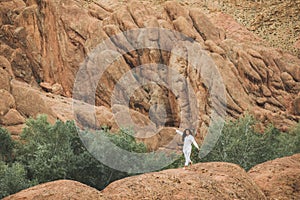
{"x": 187, "y": 147}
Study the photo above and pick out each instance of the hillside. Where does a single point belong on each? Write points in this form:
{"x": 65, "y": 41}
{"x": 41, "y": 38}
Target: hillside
{"x": 275, "y": 21}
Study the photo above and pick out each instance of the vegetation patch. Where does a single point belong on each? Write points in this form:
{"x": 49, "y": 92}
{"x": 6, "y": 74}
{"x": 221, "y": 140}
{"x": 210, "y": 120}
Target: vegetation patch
{"x": 50, "y": 152}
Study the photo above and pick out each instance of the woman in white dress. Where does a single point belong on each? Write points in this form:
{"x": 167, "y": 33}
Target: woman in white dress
{"x": 188, "y": 140}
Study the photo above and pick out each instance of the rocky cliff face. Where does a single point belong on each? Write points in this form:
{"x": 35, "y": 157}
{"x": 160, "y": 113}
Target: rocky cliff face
{"x": 44, "y": 43}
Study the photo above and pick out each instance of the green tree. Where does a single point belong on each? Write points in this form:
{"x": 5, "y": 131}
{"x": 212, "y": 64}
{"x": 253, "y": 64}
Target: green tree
{"x": 295, "y": 132}
{"x": 13, "y": 179}
{"x": 51, "y": 152}
{"x": 240, "y": 144}
{"x": 6, "y": 146}
{"x": 277, "y": 144}
{"x": 46, "y": 150}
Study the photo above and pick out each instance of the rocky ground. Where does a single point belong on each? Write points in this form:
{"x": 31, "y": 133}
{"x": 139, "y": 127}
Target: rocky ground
{"x": 280, "y": 178}
{"x": 277, "y": 179}
{"x": 201, "y": 181}
{"x": 278, "y": 22}
{"x": 62, "y": 189}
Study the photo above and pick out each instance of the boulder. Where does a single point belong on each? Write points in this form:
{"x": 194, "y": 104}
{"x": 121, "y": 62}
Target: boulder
{"x": 181, "y": 25}
{"x": 46, "y": 86}
{"x": 296, "y": 106}
{"x": 5, "y": 64}
{"x": 61, "y": 189}
{"x": 174, "y": 10}
{"x": 12, "y": 117}
{"x": 165, "y": 138}
{"x": 139, "y": 12}
{"x": 29, "y": 101}
{"x": 265, "y": 90}
{"x": 279, "y": 178}
{"x": 7, "y": 102}
{"x": 125, "y": 117}
{"x": 205, "y": 27}
{"x": 201, "y": 181}
{"x": 90, "y": 116}
{"x": 288, "y": 80}
{"x": 4, "y": 79}
{"x": 15, "y": 130}
{"x": 55, "y": 88}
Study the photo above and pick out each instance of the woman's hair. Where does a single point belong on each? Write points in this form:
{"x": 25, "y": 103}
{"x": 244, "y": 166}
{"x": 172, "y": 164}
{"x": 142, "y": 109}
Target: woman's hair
{"x": 185, "y": 133}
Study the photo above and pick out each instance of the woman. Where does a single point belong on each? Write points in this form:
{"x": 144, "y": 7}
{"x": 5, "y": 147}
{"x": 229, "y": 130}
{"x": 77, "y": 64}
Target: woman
{"x": 187, "y": 139}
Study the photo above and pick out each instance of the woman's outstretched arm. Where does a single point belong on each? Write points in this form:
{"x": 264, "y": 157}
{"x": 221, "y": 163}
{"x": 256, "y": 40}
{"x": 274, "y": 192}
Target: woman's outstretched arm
{"x": 179, "y": 132}
{"x": 195, "y": 144}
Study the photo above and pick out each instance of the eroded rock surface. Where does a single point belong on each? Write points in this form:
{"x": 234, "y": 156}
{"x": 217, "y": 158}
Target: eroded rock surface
{"x": 276, "y": 179}
{"x": 279, "y": 178}
{"x": 44, "y": 43}
{"x": 62, "y": 189}
{"x": 201, "y": 181}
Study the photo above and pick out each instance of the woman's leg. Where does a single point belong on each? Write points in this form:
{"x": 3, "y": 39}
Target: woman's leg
{"x": 187, "y": 155}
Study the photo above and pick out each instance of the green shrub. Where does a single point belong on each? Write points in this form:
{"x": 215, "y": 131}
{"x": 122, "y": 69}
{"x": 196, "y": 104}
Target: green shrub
{"x": 51, "y": 152}
{"x": 6, "y": 146}
{"x": 240, "y": 144}
{"x": 125, "y": 140}
{"x": 295, "y": 144}
{"x": 46, "y": 150}
{"x": 277, "y": 144}
{"x": 87, "y": 169}
{"x": 13, "y": 179}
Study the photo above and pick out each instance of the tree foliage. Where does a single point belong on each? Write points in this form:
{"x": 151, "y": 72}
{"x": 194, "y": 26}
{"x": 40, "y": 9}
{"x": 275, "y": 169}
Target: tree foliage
{"x": 6, "y": 146}
{"x": 13, "y": 179}
{"x": 49, "y": 152}
{"x": 239, "y": 143}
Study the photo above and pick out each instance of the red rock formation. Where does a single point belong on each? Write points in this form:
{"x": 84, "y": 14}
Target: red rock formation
{"x": 201, "y": 181}
{"x": 62, "y": 189}
{"x": 44, "y": 42}
{"x": 276, "y": 179}
{"x": 279, "y": 178}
